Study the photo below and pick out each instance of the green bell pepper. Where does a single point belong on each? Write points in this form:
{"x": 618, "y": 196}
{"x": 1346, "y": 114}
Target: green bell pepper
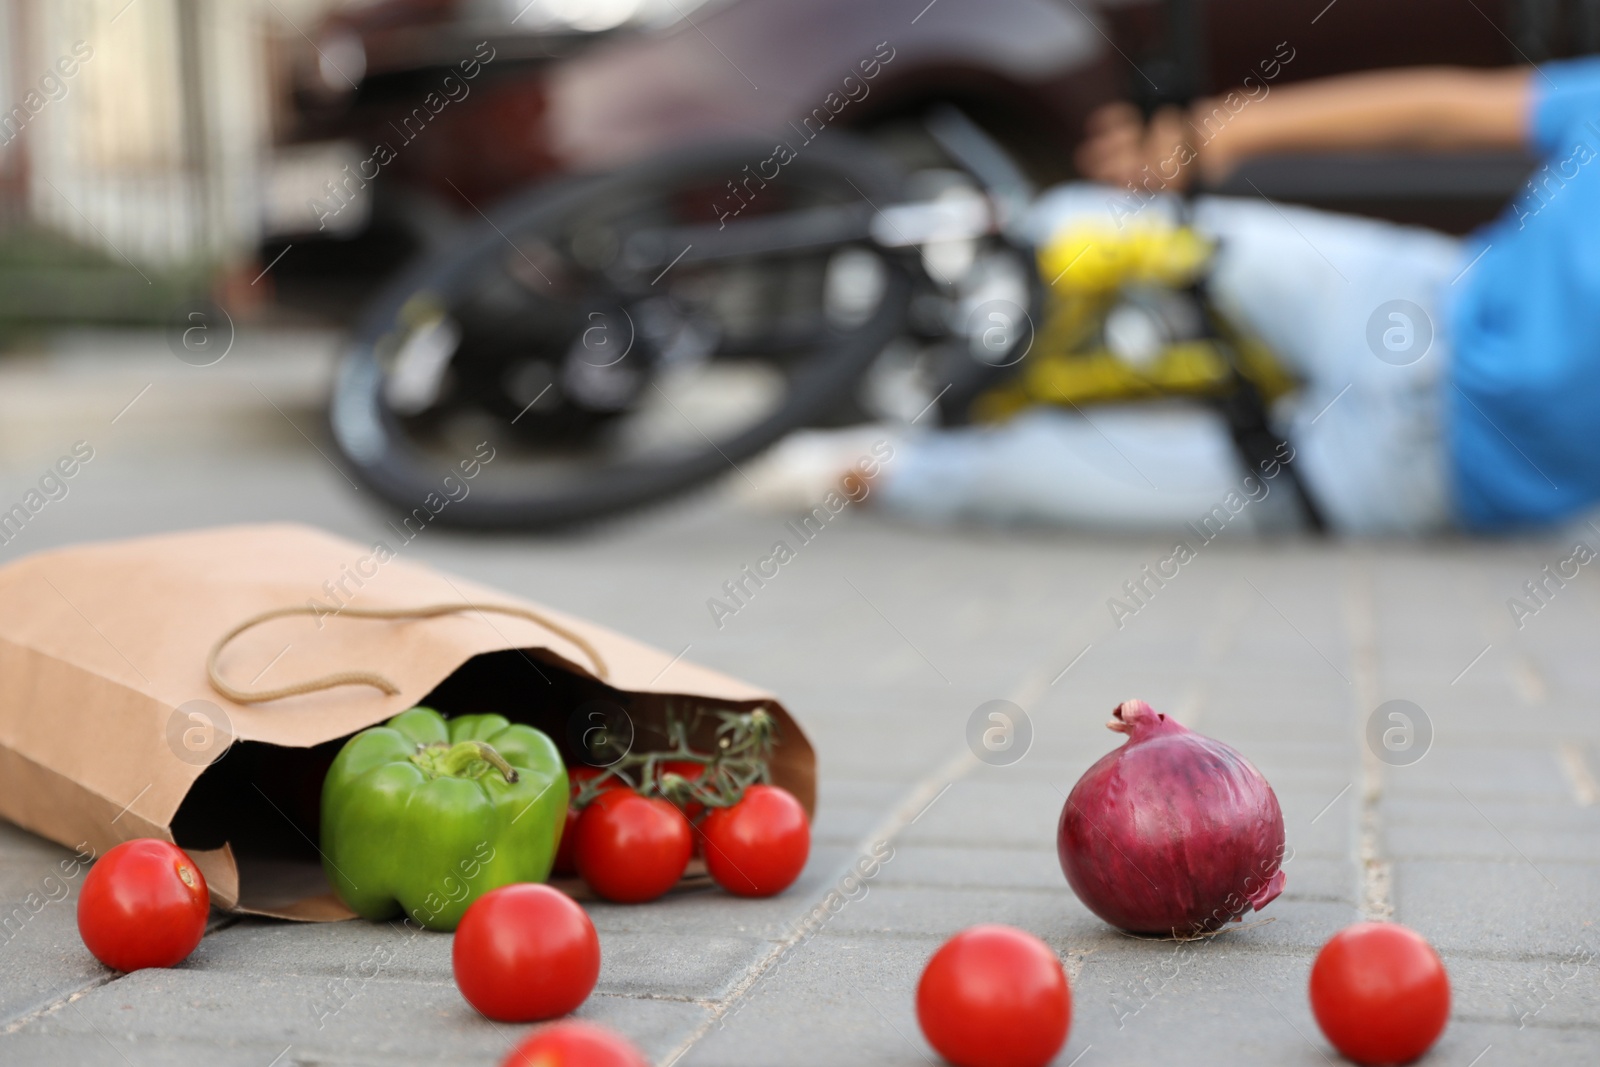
{"x": 423, "y": 816}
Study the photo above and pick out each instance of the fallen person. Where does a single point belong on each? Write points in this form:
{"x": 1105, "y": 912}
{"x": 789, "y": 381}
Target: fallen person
{"x": 1493, "y": 427}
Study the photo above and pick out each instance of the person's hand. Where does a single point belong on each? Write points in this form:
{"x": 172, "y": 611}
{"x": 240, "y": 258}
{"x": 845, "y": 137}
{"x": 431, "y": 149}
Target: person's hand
{"x": 1119, "y": 145}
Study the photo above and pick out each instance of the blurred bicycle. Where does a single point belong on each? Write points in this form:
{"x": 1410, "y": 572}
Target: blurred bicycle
{"x": 621, "y": 339}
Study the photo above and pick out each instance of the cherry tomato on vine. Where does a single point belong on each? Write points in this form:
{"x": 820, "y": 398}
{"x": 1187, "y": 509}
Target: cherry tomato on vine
{"x": 687, "y": 769}
{"x": 525, "y": 952}
{"x": 757, "y": 847}
{"x": 144, "y": 904}
{"x": 630, "y": 848}
{"x": 1380, "y": 993}
{"x": 574, "y": 1044}
{"x": 578, "y": 776}
{"x": 693, "y": 772}
{"x": 995, "y": 996}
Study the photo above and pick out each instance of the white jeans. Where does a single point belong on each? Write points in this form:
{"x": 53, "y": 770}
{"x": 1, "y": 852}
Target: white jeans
{"x": 1367, "y": 431}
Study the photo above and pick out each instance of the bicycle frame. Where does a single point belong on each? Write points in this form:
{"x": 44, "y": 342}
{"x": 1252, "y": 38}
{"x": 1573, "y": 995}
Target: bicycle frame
{"x": 1221, "y": 364}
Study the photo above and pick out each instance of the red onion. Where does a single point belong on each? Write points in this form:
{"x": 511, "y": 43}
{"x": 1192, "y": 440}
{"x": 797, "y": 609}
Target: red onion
{"x": 1173, "y": 833}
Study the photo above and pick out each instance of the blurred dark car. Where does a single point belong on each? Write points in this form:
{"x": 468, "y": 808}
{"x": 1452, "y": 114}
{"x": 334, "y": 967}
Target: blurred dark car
{"x": 409, "y": 115}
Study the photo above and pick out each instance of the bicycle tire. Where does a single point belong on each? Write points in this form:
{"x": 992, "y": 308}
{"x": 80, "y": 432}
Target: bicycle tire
{"x": 378, "y": 453}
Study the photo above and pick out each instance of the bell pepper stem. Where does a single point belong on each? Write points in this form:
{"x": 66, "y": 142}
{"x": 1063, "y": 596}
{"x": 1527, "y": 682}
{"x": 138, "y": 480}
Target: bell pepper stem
{"x": 463, "y": 753}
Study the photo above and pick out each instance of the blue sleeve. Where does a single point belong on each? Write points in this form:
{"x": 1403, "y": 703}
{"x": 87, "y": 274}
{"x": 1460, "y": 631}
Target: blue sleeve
{"x": 1566, "y": 94}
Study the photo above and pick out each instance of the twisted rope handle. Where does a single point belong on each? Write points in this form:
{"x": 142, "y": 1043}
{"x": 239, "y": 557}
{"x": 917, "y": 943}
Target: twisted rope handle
{"x": 372, "y": 678}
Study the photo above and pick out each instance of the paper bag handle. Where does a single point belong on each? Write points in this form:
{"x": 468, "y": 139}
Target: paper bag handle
{"x": 372, "y": 678}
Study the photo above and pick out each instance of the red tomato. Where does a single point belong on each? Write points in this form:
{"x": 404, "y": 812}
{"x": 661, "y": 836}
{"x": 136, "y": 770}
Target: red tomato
{"x": 578, "y": 776}
{"x": 995, "y": 996}
{"x": 759, "y": 846}
{"x": 574, "y": 1044}
{"x": 1380, "y": 993}
{"x": 631, "y": 848}
{"x": 525, "y": 952}
{"x": 144, "y": 904}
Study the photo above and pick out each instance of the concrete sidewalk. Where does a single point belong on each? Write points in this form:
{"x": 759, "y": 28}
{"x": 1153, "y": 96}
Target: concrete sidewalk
{"x": 884, "y": 641}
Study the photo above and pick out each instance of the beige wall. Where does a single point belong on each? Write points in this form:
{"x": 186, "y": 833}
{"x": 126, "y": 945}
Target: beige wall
{"x": 154, "y": 148}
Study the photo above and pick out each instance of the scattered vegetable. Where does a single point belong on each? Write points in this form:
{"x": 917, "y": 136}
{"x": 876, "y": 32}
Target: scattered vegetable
{"x": 633, "y": 852}
{"x": 1172, "y": 833}
{"x": 144, "y": 904}
{"x": 758, "y": 847}
{"x": 575, "y": 1044}
{"x": 524, "y": 953}
{"x": 631, "y": 848}
{"x": 423, "y": 817}
{"x": 995, "y": 996}
{"x": 1380, "y": 993}
{"x": 579, "y": 776}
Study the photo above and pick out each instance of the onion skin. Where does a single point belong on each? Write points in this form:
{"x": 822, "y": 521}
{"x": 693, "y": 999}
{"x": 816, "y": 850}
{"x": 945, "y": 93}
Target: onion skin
{"x": 1173, "y": 833}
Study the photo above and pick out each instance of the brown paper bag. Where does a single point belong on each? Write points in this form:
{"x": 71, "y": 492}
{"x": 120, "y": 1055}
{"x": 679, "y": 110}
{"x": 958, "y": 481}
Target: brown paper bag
{"x": 110, "y": 727}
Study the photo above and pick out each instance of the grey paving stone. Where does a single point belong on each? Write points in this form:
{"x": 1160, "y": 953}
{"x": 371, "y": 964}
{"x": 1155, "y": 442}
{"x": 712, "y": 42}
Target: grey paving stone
{"x": 1320, "y": 823}
{"x": 1535, "y": 1046}
{"x": 1037, "y": 768}
{"x": 1491, "y": 839}
{"x": 1329, "y": 881}
{"x": 1213, "y": 1004}
{"x": 864, "y": 988}
{"x": 676, "y": 965}
{"x": 1558, "y": 994}
{"x": 1510, "y": 816}
{"x": 889, "y": 757}
{"x": 92, "y": 1050}
{"x": 1497, "y": 910}
{"x": 41, "y": 955}
{"x": 375, "y": 1022}
{"x": 918, "y": 911}
{"x": 694, "y": 964}
{"x": 306, "y": 951}
{"x": 1256, "y": 643}
{"x": 840, "y": 823}
{"x": 993, "y": 813}
{"x": 1497, "y": 773}
{"x": 927, "y": 865}
{"x": 1295, "y": 757}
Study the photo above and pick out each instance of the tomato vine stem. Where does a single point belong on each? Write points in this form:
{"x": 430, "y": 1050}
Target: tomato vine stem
{"x": 743, "y": 744}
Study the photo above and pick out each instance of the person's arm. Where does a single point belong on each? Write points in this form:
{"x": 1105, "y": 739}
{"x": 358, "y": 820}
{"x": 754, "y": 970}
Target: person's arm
{"x": 1431, "y": 108}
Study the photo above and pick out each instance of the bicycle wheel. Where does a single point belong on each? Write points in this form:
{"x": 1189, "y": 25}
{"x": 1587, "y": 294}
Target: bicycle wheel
{"x": 598, "y": 379}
